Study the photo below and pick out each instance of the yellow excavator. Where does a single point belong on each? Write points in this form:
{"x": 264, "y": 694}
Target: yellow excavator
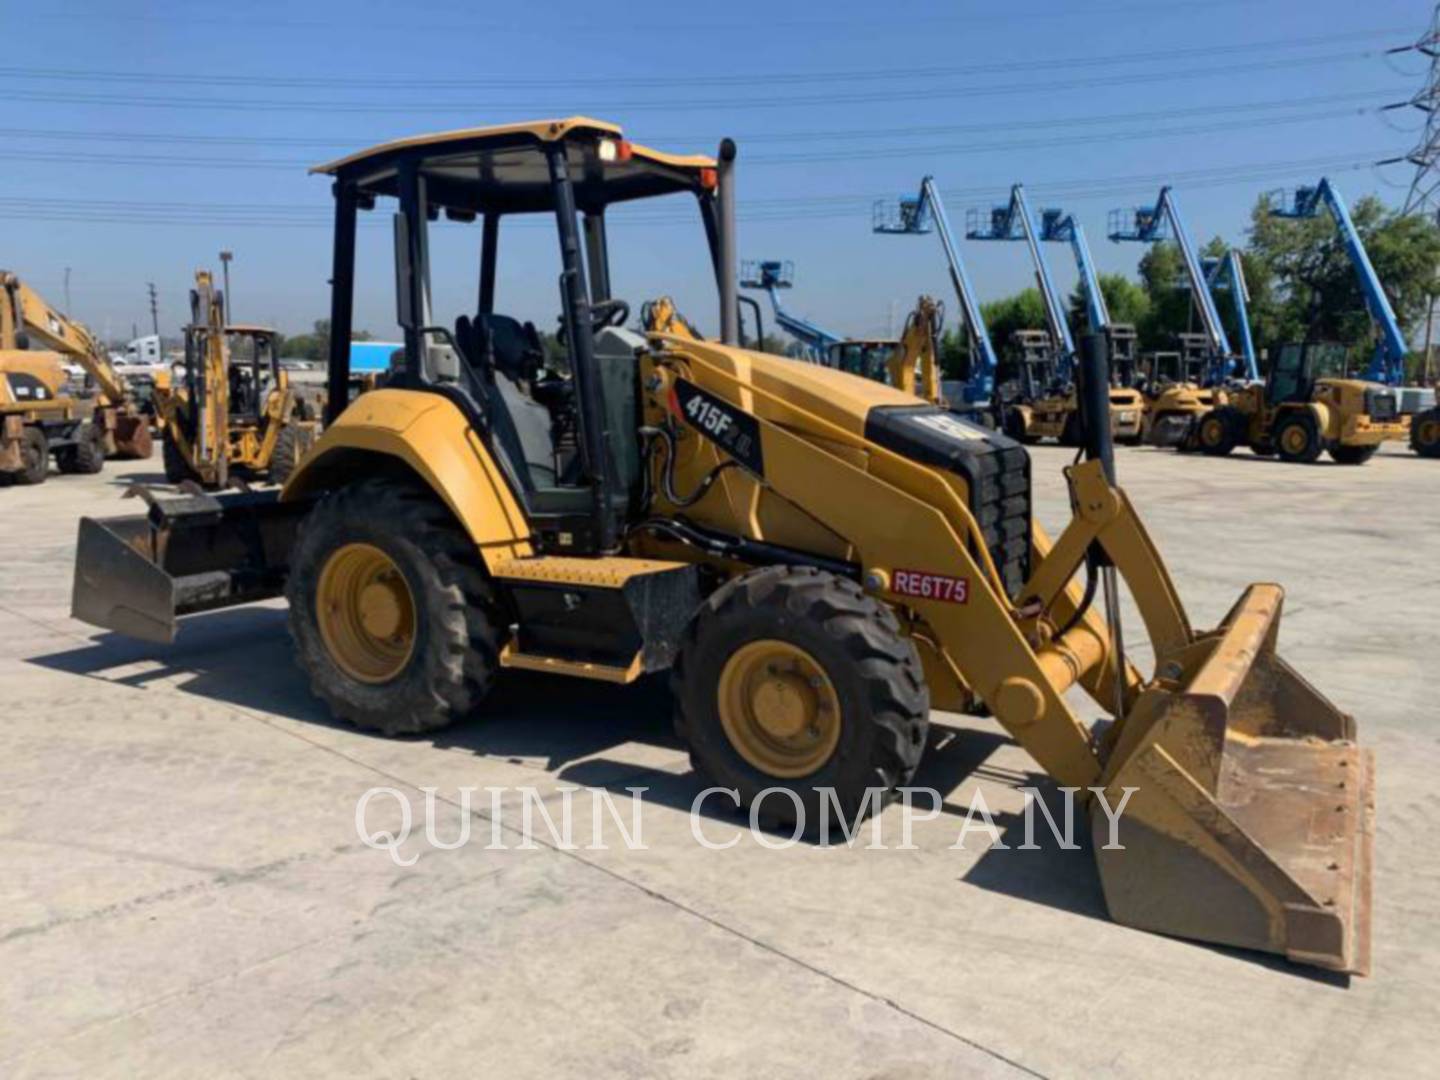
{"x": 35, "y": 341}
{"x": 234, "y": 410}
{"x": 818, "y": 559}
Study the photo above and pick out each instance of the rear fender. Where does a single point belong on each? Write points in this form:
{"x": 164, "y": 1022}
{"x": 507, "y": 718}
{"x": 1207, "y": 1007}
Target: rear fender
{"x": 427, "y": 436}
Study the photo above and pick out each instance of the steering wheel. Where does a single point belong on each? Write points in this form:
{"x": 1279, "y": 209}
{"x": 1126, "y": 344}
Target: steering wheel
{"x": 608, "y": 313}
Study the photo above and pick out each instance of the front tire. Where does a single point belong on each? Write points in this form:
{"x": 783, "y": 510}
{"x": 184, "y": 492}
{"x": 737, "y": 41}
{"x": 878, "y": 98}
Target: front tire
{"x": 1352, "y": 455}
{"x": 285, "y": 456}
{"x": 795, "y": 678}
{"x": 390, "y": 611}
{"x": 34, "y": 457}
{"x": 1297, "y": 440}
{"x": 1217, "y": 433}
{"x": 1425, "y": 433}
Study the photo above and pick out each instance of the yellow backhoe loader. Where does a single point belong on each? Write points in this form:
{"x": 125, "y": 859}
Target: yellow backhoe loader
{"x": 234, "y": 412}
{"x": 818, "y": 559}
{"x": 28, "y": 325}
{"x": 1305, "y": 407}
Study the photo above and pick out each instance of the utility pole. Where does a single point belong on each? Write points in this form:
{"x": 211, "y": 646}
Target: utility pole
{"x": 225, "y": 257}
{"x": 68, "y": 308}
{"x": 154, "y": 310}
{"x": 1424, "y": 194}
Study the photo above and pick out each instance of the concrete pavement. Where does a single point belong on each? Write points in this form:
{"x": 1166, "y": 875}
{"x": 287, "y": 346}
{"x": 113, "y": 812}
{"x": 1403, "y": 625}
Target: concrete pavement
{"x": 184, "y": 889}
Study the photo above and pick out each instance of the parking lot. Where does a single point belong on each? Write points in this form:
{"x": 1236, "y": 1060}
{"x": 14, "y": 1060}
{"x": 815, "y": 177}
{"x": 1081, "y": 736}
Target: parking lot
{"x": 185, "y": 890}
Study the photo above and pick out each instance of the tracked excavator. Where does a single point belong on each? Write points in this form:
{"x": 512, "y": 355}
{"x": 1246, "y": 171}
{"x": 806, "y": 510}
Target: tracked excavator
{"x": 819, "y": 560}
{"x": 79, "y": 427}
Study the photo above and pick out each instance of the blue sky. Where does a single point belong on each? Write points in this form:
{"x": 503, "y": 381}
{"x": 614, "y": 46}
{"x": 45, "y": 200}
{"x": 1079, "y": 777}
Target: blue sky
{"x": 155, "y": 134}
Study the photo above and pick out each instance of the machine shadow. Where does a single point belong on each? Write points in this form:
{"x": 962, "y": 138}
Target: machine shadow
{"x": 242, "y": 657}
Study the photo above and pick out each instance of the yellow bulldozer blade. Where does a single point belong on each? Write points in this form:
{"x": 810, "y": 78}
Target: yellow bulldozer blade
{"x": 1251, "y": 818}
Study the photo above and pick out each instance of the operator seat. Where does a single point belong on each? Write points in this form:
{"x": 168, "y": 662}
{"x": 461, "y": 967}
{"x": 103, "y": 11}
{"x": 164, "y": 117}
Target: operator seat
{"x": 505, "y": 352}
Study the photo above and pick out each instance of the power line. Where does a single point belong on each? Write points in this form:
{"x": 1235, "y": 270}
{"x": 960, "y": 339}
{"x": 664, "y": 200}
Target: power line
{"x": 871, "y": 153}
{"x": 687, "y": 79}
{"x": 809, "y": 207}
{"x": 769, "y": 102}
{"x": 807, "y": 135}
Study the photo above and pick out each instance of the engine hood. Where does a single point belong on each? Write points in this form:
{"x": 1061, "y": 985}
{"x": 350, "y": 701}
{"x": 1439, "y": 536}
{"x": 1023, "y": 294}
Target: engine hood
{"x": 835, "y": 397}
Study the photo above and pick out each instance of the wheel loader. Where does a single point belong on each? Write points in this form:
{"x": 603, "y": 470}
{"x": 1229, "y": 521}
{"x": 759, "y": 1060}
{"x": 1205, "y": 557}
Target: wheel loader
{"x": 1305, "y": 407}
{"x": 1176, "y": 397}
{"x": 1044, "y": 404}
{"x": 234, "y": 412}
{"x": 817, "y": 559}
{"x": 43, "y": 414}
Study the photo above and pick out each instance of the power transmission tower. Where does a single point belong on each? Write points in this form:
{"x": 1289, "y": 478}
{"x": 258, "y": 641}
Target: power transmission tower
{"x": 1424, "y": 195}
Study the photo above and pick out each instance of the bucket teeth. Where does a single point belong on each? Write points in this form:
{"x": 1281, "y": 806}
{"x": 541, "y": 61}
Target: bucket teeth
{"x": 1251, "y": 809}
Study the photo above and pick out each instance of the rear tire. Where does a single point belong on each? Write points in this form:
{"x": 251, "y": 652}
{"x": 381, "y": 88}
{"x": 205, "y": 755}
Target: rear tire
{"x": 177, "y": 468}
{"x": 1297, "y": 440}
{"x": 455, "y": 626}
{"x": 1070, "y": 434}
{"x": 1217, "y": 433}
{"x": 87, "y": 456}
{"x": 855, "y": 641}
{"x": 1352, "y": 455}
{"x": 35, "y": 458}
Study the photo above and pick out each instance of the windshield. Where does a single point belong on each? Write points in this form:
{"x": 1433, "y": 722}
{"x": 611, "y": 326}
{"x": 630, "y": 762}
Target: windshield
{"x": 1327, "y": 361}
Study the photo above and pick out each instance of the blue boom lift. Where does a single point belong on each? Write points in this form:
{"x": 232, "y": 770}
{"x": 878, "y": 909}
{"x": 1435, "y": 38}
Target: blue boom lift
{"x": 924, "y": 213}
{"x": 1387, "y": 365}
{"x": 1163, "y": 221}
{"x": 859, "y": 356}
{"x": 1228, "y": 275}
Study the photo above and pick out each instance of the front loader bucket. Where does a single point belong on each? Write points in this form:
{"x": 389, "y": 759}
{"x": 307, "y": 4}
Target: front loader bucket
{"x": 1252, "y": 812}
{"x": 137, "y": 574}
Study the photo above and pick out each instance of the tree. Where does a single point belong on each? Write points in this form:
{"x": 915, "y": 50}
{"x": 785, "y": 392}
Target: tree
{"x": 1308, "y": 285}
{"x": 316, "y": 345}
{"x": 1023, "y": 311}
{"x": 1126, "y": 301}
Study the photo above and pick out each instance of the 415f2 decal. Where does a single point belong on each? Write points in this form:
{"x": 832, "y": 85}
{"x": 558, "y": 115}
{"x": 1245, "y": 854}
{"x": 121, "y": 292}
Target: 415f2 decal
{"x": 733, "y": 430}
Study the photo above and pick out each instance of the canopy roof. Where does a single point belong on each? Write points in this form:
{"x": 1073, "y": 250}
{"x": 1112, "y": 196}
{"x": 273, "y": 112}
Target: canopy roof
{"x": 504, "y": 169}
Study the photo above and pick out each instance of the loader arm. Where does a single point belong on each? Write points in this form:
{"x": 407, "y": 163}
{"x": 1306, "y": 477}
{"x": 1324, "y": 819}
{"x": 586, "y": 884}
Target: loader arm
{"x": 29, "y": 313}
{"x": 1230, "y": 756}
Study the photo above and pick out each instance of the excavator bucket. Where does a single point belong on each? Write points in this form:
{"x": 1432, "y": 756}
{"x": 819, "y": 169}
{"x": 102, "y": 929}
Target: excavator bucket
{"x": 132, "y": 437}
{"x": 1251, "y": 811}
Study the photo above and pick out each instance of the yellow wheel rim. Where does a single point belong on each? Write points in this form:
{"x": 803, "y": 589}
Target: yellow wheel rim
{"x": 366, "y": 613}
{"x": 779, "y": 709}
{"x": 1294, "y": 439}
{"x": 1429, "y": 433}
{"x": 1211, "y": 432}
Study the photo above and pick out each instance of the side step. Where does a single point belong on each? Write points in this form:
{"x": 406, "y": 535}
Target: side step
{"x": 609, "y": 619}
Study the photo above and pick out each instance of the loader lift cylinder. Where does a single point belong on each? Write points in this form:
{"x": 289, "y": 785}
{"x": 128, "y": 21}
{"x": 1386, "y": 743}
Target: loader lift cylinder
{"x": 1093, "y": 398}
{"x": 1094, "y": 402}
